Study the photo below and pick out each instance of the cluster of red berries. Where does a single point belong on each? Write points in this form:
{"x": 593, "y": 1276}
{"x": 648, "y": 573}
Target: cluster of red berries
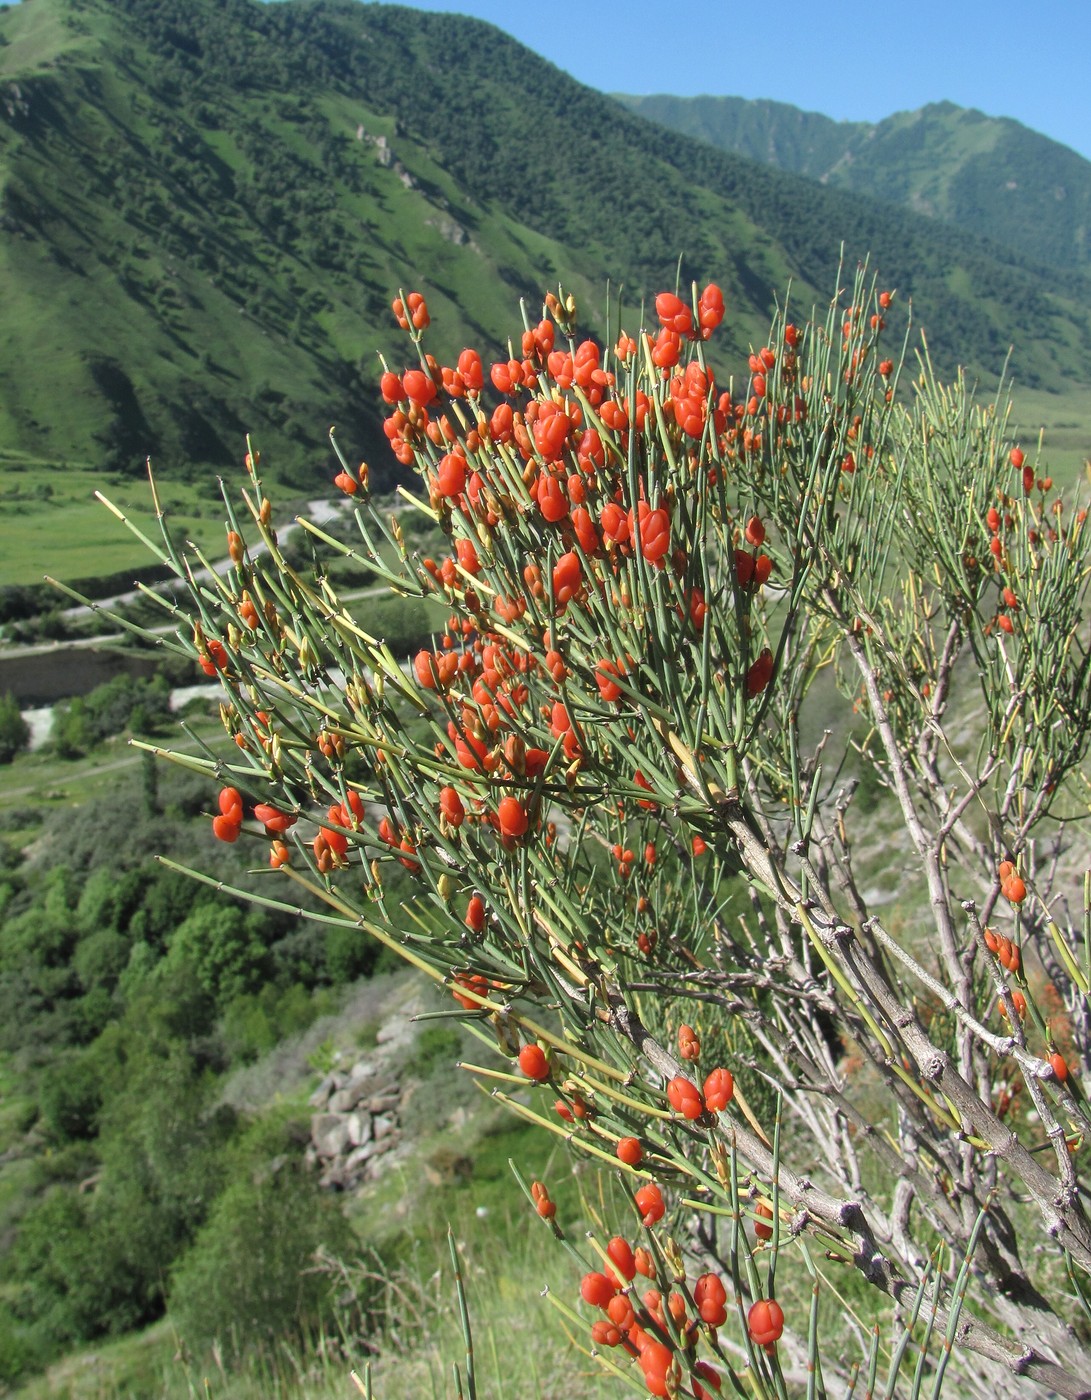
{"x": 213, "y": 659}
{"x": 546, "y": 523}
{"x": 1000, "y": 521}
{"x": 685, "y": 1098}
{"x": 638, "y": 1323}
{"x": 548, "y": 528}
{"x": 227, "y": 825}
{"x": 1007, "y": 952}
{"x": 662, "y": 1334}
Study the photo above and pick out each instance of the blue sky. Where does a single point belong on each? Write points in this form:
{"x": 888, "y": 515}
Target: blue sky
{"x": 846, "y": 59}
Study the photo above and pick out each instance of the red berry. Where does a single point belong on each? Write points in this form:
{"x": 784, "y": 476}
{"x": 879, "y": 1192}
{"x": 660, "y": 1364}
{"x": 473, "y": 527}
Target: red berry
{"x": 1019, "y": 1001}
{"x": 765, "y": 1212}
{"x": 540, "y": 1196}
{"x": 512, "y": 816}
{"x": 567, "y": 577}
{"x": 224, "y": 829}
{"x": 620, "y": 1309}
{"x": 451, "y": 475}
{"x": 710, "y": 1295}
{"x": 605, "y": 672}
{"x": 765, "y": 1321}
{"x": 649, "y": 1201}
{"x": 621, "y": 1256}
{"x": 645, "y": 1264}
{"x": 1014, "y": 890}
{"x": 216, "y": 660}
{"x": 707, "y": 1374}
{"x": 1058, "y": 1066}
{"x": 273, "y": 819}
{"x": 718, "y": 1090}
{"x": 655, "y": 1362}
{"x": 419, "y": 387}
{"x": 629, "y": 1151}
{"x": 533, "y": 1063}
{"x": 710, "y": 309}
{"x": 684, "y": 1097}
{"x": 597, "y": 1290}
{"x": 427, "y": 673}
{"x": 472, "y": 982}
{"x": 760, "y": 673}
{"x": 418, "y": 310}
{"x": 673, "y": 313}
{"x": 451, "y": 808}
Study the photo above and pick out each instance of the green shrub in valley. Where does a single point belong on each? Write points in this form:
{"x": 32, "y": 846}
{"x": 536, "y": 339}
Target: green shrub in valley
{"x": 14, "y": 730}
{"x": 221, "y": 943}
{"x": 253, "y": 1278}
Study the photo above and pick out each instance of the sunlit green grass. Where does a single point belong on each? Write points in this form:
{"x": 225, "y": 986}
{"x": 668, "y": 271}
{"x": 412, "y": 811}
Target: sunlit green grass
{"x": 53, "y": 524}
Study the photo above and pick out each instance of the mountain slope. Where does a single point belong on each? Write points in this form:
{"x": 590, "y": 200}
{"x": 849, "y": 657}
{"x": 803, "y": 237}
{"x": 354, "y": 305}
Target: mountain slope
{"x": 206, "y": 205}
{"x": 951, "y": 163}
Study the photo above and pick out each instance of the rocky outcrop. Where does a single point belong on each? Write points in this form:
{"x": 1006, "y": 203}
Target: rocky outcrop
{"x": 356, "y": 1127}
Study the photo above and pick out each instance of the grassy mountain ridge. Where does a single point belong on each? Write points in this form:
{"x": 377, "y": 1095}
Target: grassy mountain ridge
{"x": 952, "y": 163}
{"x": 205, "y": 208}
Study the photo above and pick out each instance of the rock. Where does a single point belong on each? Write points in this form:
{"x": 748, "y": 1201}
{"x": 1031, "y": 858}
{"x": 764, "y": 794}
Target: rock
{"x": 449, "y": 229}
{"x": 355, "y": 1130}
{"x": 383, "y": 1162}
{"x": 359, "y": 1128}
{"x": 326, "y": 1087}
{"x": 329, "y": 1133}
{"x": 355, "y": 1165}
{"x": 344, "y": 1101}
{"x": 334, "y": 1177}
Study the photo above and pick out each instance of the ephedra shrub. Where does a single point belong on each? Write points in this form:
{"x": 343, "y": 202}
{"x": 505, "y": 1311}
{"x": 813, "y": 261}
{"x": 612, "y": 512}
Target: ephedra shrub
{"x": 621, "y": 785}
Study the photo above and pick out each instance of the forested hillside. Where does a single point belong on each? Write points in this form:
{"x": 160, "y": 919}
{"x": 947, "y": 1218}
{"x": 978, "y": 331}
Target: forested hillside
{"x": 982, "y": 174}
